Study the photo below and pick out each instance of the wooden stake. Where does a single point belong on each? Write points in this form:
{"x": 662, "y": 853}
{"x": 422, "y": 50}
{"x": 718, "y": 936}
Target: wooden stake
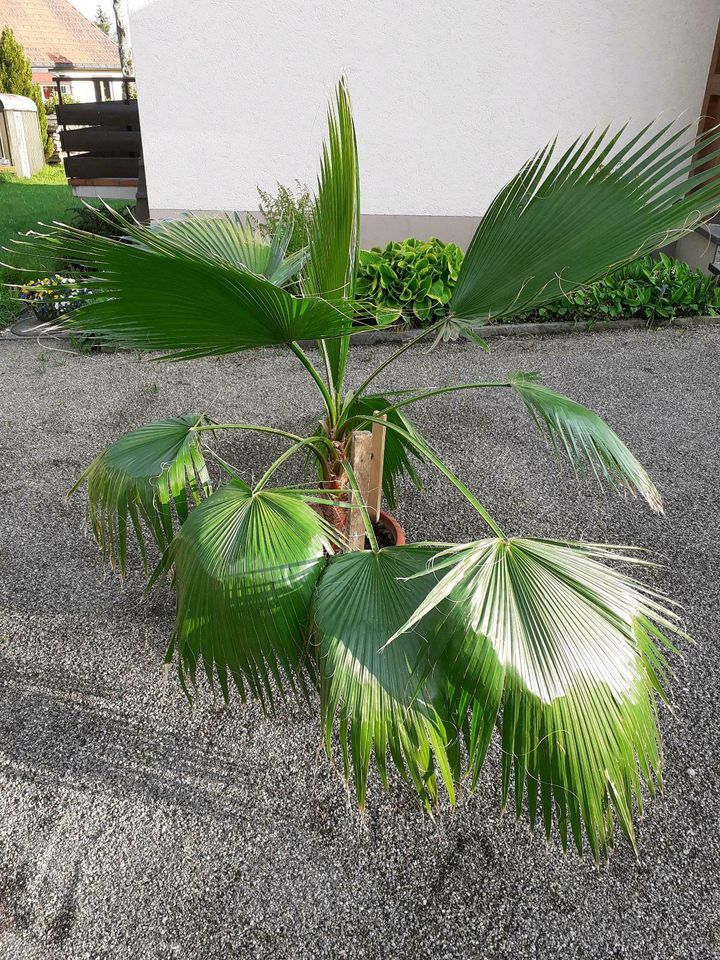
{"x": 361, "y": 461}
{"x": 376, "y": 468}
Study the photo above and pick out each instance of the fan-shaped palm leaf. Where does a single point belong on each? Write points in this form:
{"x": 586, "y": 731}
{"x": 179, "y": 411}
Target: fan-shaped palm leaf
{"x": 371, "y": 693}
{"x": 585, "y": 438}
{"x": 246, "y": 564}
{"x": 573, "y": 648}
{"x": 141, "y": 477}
{"x": 153, "y": 293}
{"x": 236, "y": 243}
{"x": 557, "y": 226}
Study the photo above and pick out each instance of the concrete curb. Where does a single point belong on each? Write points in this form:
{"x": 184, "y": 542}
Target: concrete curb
{"x": 24, "y": 330}
{"x": 533, "y": 329}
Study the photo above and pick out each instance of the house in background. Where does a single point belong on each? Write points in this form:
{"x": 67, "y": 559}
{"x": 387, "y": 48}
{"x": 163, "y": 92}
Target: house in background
{"x": 59, "y": 41}
{"x": 450, "y": 97}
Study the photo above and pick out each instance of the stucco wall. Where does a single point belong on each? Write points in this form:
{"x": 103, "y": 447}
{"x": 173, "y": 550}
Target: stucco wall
{"x": 449, "y": 97}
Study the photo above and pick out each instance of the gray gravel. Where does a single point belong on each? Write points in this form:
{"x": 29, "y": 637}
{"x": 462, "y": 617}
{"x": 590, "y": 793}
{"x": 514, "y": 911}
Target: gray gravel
{"x": 134, "y": 826}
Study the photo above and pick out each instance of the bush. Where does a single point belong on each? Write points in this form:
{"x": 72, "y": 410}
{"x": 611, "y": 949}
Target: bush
{"x": 96, "y": 220}
{"x": 16, "y": 77}
{"x": 409, "y": 282}
{"x": 52, "y": 102}
{"x": 293, "y": 206}
{"x": 93, "y": 220}
{"x": 652, "y": 289}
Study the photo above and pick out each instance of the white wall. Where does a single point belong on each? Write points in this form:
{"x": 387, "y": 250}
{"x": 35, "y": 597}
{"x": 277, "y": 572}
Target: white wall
{"x": 450, "y": 96}
{"x": 82, "y": 89}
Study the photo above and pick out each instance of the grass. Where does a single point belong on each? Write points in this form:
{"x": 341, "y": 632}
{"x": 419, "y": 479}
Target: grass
{"x": 23, "y": 204}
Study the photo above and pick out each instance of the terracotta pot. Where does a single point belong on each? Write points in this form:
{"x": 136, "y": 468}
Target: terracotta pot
{"x": 396, "y": 531}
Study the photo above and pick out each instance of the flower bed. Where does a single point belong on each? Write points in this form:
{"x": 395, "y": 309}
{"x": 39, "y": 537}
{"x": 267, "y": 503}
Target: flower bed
{"x": 43, "y": 298}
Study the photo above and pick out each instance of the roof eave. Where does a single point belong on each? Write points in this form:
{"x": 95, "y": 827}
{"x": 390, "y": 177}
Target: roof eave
{"x": 61, "y": 67}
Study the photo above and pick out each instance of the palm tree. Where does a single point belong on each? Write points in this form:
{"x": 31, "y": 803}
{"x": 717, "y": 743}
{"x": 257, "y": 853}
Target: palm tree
{"x": 419, "y": 652}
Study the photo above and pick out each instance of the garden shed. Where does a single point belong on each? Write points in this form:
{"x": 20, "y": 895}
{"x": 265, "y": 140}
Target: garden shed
{"x": 21, "y": 146}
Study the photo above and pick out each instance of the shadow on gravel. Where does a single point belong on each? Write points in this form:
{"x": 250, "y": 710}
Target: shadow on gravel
{"x": 54, "y": 738}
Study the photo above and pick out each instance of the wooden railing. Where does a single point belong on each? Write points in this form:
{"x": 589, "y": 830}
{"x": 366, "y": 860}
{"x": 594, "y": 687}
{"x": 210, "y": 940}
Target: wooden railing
{"x": 102, "y": 142}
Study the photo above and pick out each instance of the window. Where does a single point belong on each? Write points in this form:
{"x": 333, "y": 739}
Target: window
{"x": 103, "y": 90}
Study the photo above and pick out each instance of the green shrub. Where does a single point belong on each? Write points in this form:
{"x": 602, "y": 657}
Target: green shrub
{"x": 288, "y": 206}
{"x": 410, "y": 281}
{"x": 52, "y": 102}
{"x": 653, "y": 289}
{"x": 96, "y": 220}
{"x": 16, "y": 77}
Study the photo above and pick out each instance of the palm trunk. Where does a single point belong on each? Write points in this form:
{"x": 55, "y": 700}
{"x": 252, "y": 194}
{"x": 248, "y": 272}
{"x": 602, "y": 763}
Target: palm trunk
{"x": 337, "y": 485}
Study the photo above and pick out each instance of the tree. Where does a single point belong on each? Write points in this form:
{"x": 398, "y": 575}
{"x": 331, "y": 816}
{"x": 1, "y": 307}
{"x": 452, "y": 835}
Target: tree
{"x": 102, "y": 20}
{"x": 123, "y": 37}
{"x": 16, "y": 77}
{"x": 420, "y": 653}
{"x": 15, "y": 68}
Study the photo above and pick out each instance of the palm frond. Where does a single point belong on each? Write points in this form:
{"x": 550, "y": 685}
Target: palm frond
{"x": 145, "y": 477}
{"x": 371, "y": 693}
{"x": 152, "y": 292}
{"x": 574, "y": 650}
{"x": 335, "y": 225}
{"x": 245, "y": 567}
{"x": 557, "y": 226}
{"x": 236, "y": 243}
{"x": 585, "y": 438}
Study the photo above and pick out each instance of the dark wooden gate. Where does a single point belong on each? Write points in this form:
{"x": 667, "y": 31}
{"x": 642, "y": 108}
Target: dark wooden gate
{"x": 103, "y": 145}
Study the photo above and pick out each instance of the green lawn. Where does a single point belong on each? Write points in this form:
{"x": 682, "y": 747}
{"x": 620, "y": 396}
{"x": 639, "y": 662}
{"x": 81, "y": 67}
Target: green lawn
{"x": 23, "y": 204}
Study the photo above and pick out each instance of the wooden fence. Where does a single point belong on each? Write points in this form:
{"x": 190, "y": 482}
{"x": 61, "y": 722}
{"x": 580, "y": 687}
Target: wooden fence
{"x": 101, "y": 141}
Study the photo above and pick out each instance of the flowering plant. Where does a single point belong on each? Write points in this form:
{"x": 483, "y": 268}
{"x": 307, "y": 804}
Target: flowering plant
{"x": 44, "y": 296}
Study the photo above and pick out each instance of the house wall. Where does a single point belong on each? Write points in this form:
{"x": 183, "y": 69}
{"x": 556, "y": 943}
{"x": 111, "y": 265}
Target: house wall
{"x": 450, "y": 97}
{"x": 82, "y": 87}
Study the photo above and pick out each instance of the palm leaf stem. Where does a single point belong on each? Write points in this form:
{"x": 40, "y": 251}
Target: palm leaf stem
{"x": 393, "y": 356}
{"x": 307, "y": 442}
{"x": 434, "y": 393}
{"x": 330, "y": 405}
{"x": 425, "y": 451}
{"x": 247, "y": 426}
{"x": 299, "y": 441}
{"x": 322, "y": 346}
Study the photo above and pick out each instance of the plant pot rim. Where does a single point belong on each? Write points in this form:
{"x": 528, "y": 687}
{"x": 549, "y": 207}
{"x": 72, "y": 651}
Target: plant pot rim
{"x": 389, "y": 521}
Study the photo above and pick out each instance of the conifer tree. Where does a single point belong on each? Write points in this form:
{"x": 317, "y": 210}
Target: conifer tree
{"x": 16, "y": 77}
{"x": 102, "y": 20}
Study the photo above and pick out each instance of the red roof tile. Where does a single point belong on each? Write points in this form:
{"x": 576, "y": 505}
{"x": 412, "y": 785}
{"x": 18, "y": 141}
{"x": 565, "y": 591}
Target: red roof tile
{"x": 54, "y": 32}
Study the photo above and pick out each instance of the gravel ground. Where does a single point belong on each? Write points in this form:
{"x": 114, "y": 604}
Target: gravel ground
{"x": 134, "y": 826}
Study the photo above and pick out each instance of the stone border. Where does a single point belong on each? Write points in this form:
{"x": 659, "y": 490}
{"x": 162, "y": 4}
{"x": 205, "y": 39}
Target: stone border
{"x": 24, "y": 329}
{"x": 551, "y": 327}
